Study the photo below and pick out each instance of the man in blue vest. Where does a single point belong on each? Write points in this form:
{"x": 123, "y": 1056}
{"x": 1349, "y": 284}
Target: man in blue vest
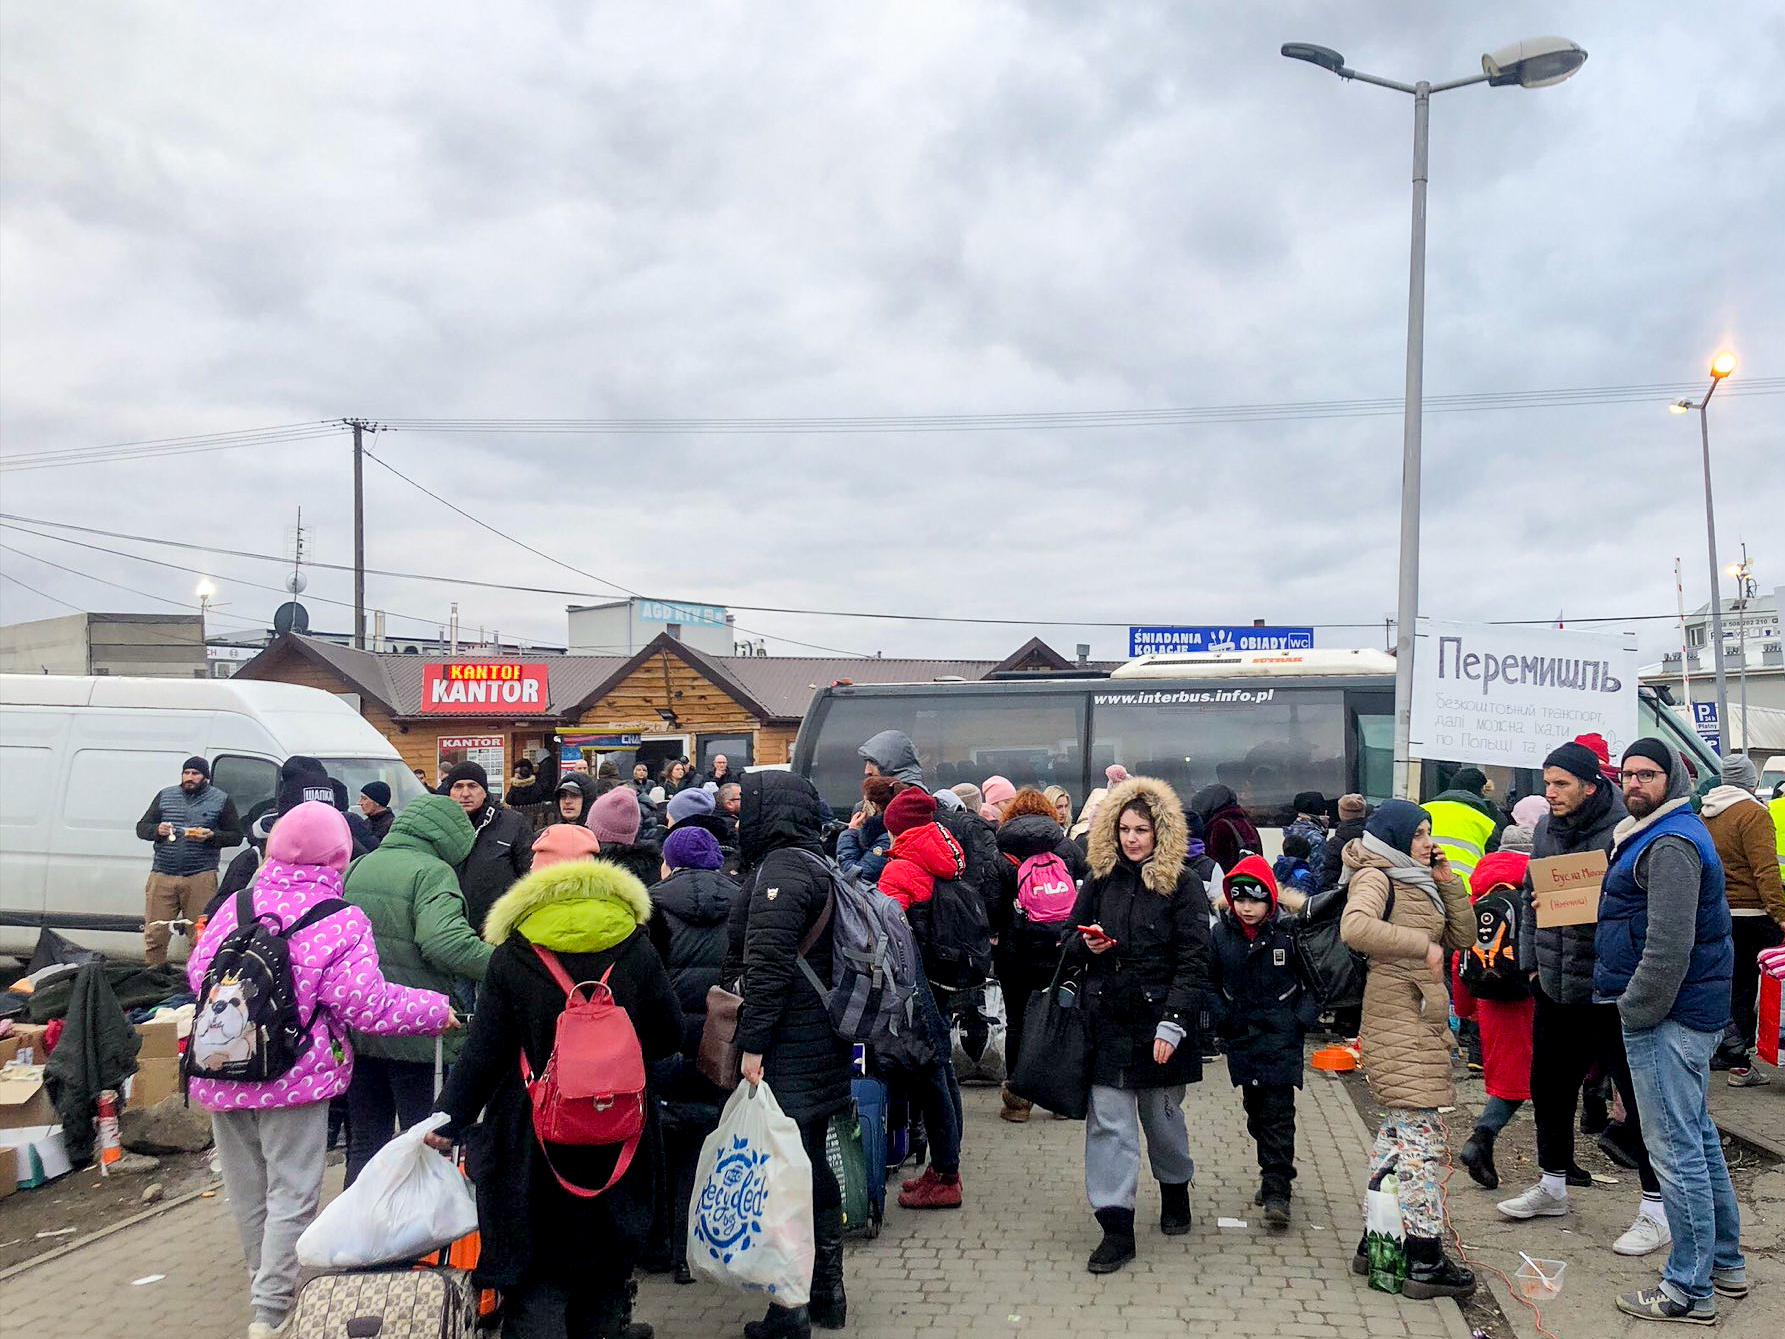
{"x": 1665, "y": 956}
{"x": 189, "y": 824}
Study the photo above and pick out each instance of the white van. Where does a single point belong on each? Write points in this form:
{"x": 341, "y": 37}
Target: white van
{"x": 80, "y": 759}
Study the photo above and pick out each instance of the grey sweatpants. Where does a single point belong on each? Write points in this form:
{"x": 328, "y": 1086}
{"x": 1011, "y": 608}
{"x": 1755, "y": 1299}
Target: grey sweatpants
{"x": 272, "y": 1173}
{"x": 1112, "y": 1142}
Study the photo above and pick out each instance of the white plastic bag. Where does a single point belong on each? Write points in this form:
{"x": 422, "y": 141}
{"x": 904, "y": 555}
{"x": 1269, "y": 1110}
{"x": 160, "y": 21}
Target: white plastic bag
{"x": 408, "y": 1200}
{"x": 750, "y": 1221}
{"x": 1384, "y": 1235}
{"x": 992, "y": 1065}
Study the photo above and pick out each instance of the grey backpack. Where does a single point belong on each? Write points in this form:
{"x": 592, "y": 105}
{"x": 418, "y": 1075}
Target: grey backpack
{"x": 873, "y": 959}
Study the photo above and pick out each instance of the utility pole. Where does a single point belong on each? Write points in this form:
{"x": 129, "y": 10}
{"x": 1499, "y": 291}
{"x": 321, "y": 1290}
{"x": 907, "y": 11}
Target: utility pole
{"x": 359, "y": 427}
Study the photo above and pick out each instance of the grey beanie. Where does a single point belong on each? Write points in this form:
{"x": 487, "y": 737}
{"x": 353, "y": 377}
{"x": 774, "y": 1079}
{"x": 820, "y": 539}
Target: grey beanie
{"x": 1739, "y": 770}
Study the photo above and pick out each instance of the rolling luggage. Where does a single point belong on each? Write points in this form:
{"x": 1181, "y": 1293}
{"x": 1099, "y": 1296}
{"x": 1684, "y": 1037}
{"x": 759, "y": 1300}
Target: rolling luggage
{"x": 388, "y": 1303}
{"x": 870, "y": 1114}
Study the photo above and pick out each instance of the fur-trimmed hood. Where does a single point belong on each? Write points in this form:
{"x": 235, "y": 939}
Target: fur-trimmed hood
{"x": 579, "y": 906}
{"x": 1171, "y": 845}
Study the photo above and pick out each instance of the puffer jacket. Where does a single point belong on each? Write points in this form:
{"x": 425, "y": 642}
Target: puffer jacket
{"x": 979, "y": 841}
{"x": 1406, "y": 1039}
{"x": 1562, "y": 956}
{"x": 1159, "y": 969}
{"x": 690, "y": 911}
{"x": 1227, "y": 828}
{"x": 501, "y": 853}
{"x": 409, "y": 892}
{"x": 1259, "y": 1016}
{"x": 1019, "y": 838}
{"x": 335, "y": 968}
{"x": 786, "y": 885}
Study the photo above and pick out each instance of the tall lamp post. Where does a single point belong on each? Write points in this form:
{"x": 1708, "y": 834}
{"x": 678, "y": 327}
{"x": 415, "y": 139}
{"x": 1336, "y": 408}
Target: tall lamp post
{"x": 1721, "y": 366}
{"x": 1743, "y": 572}
{"x": 1535, "y": 63}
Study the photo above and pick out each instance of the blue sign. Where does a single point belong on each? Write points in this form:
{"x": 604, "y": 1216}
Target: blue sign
{"x": 1234, "y": 637}
{"x": 1704, "y": 717}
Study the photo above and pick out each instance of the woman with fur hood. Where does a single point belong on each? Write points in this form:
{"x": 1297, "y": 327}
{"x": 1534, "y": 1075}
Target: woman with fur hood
{"x": 1143, "y": 944}
{"x": 563, "y": 1262}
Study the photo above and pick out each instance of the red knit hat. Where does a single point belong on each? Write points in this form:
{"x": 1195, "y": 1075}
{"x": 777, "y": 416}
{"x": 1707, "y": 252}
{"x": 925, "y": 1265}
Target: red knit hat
{"x": 1602, "y": 751}
{"x": 910, "y": 808}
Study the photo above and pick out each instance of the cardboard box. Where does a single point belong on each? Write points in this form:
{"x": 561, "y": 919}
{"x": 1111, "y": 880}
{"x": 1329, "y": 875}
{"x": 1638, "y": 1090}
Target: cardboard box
{"x": 40, "y": 1154}
{"x": 29, "y": 1037}
{"x": 154, "y": 1080}
{"x": 161, "y": 1038}
{"x": 23, "y": 1101}
{"x": 1565, "y": 888}
{"x": 9, "y": 1171}
{"x": 9, "y": 1049}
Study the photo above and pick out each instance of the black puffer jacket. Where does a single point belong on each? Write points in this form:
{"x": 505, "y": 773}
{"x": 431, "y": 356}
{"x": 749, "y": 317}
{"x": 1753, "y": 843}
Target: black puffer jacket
{"x": 1024, "y": 836}
{"x": 1258, "y": 1018}
{"x": 1348, "y": 831}
{"x": 502, "y": 853}
{"x": 688, "y": 926}
{"x": 643, "y": 858}
{"x": 979, "y": 839}
{"x": 1563, "y": 956}
{"x": 725, "y": 834}
{"x": 785, "y": 888}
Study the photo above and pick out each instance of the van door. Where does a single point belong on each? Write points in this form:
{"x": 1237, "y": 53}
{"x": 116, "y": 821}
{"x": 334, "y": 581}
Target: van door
{"x": 33, "y": 744}
{"x": 253, "y": 783}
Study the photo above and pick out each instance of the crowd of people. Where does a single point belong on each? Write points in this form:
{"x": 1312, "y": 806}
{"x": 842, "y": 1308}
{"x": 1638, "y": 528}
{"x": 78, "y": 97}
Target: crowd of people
{"x": 1176, "y": 933}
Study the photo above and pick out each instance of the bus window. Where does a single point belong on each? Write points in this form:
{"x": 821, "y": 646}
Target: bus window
{"x": 1265, "y": 743}
{"x": 1031, "y": 738}
{"x": 1375, "y": 756}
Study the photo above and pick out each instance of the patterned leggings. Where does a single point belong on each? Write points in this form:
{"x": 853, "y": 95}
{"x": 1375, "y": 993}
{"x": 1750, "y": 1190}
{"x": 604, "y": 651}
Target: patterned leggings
{"x": 1415, "y": 1139}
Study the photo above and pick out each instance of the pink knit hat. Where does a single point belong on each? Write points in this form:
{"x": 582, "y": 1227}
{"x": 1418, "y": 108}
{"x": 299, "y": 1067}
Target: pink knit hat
{"x": 615, "y": 817}
{"x": 314, "y": 833}
{"x": 996, "y": 790}
{"x": 561, "y": 842}
{"x": 1115, "y": 773}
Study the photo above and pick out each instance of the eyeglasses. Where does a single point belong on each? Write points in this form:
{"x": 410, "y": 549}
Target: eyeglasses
{"x": 1642, "y": 775}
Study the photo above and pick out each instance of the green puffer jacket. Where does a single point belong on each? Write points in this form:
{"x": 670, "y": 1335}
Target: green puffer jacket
{"x": 409, "y": 891}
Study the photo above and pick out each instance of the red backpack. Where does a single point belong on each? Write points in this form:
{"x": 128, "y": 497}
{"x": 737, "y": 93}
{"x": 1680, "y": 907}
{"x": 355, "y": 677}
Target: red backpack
{"x": 593, "y": 1087}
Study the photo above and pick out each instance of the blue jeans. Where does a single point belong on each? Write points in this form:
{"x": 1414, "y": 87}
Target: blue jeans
{"x": 1670, "y": 1066}
{"x": 935, "y": 1088}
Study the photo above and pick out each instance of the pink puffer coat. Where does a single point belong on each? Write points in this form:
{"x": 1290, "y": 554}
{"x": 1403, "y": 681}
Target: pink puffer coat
{"x": 334, "y": 966}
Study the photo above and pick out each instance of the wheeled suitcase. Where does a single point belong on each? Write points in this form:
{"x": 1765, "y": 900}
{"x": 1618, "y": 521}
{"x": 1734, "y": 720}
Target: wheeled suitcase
{"x": 386, "y": 1303}
{"x": 870, "y": 1114}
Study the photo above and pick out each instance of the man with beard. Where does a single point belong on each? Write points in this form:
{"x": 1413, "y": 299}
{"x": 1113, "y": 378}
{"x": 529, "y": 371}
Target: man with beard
{"x": 1572, "y": 1029}
{"x": 189, "y": 824}
{"x": 503, "y": 851}
{"x": 1665, "y": 959}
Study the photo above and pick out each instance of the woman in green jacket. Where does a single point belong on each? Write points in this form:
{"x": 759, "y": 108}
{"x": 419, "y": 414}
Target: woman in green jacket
{"x": 409, "y": 890}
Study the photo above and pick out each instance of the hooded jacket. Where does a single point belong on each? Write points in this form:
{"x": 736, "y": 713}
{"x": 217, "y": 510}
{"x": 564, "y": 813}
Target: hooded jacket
{"x": 786, "y": 886}
{"x": 1743, "y": 830}
{"x": 692, "y": 907}
{"x": 591, "y": 915}
{"x": 1019, "y": 838}
{"x": 979, "y": 843}
{"x": 1158, "y": 972}
{"x": 585, "y": 785}
{"x": 1562, "y": 955}
{"x": 335, "y": 969}
{"x": 894, "y": 754}
{"x": 1226, "y": 829}
{"x": 1258, "y": 1015}
{"x": 409, "y": 893}
{"x": 501, "y": 853}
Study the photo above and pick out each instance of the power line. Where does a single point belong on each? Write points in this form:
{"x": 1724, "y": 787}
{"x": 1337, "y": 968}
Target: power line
{"x": 41, "y": 594}
{"x": 171, "y": 446}
{"x": 132, "y": 590}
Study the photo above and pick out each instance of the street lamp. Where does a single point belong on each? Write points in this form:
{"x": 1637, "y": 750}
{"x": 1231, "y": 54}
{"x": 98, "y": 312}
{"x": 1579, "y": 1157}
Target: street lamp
{"x": 1535, "y": 63}
{"x": 1721, "y": 366}
{"x": 1743, "y": 572}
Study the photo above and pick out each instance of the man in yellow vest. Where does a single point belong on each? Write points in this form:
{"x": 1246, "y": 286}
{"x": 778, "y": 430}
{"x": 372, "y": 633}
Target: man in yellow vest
{"x": 1464, "y": 821}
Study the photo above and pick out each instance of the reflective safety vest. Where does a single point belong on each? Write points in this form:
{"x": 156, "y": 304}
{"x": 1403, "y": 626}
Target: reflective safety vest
{"x": 1462, "y": 830}
{"x": 1778, "y": 810}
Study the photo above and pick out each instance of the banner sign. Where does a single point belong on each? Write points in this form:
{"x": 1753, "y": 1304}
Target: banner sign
{"x": 1505, "y": 695}
{"x": 486, "y": 687}
{"x": 1238, "y": 637}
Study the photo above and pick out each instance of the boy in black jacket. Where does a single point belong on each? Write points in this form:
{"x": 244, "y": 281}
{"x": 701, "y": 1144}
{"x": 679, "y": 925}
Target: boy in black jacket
{"x": 1261, "y": 1026}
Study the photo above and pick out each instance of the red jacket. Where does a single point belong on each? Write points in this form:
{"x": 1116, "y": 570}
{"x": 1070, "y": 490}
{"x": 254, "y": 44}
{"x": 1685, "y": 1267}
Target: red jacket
{"x": 919, "y": 857}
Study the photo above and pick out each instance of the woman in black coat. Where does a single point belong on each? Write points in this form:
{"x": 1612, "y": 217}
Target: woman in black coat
{"x": 563, "y": 1262}
{"x": 1145, "y": 953}
{"x": 784, "y": 1030}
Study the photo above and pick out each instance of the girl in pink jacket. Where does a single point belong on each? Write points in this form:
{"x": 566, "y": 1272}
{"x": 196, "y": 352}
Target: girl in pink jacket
{"x": 271, "y": 1136}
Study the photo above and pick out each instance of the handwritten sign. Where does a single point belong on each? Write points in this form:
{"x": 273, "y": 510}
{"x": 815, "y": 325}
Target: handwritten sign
{"x": 1566, "y": 888}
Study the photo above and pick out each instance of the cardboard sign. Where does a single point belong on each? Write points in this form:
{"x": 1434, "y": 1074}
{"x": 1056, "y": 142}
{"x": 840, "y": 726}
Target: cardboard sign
{"x": 1566, "y": 888}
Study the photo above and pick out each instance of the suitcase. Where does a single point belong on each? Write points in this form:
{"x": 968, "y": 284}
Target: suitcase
{"x": 870, "y": 1114}
{"x": 386, "y": 1304}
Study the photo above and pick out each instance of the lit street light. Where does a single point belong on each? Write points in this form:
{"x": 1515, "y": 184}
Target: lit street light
{"x": 1721, "y": 366}
{"x": 1535, "y": 63}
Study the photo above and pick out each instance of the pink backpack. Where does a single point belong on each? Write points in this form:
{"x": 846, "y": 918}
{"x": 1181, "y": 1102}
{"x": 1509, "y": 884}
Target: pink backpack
{"x": 593, "y": 1087}
{"x": 1044, "y": 888}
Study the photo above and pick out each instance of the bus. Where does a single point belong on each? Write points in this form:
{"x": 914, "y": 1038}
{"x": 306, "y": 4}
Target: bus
{"x": 1267, "y": 724}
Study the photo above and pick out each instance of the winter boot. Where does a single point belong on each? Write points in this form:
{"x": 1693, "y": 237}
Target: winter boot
{"x": 781, "y": 1323}
{"x": 1276, "y": 1208}
{"x": 923, "y": 1178}
{"x": 1360, "y": 1261}
{"x": 1117, "y": 1247}
{"x": 1478, "y": 1157}
{"x": 628, "y": 1328}
{"x": 941, "y": 1191}
{"x": 1431, "y": 1273}
{"x": 1015, "y": 1109}
{"x": 828, "y": 1308}
{"x": 1174, "y": 1209}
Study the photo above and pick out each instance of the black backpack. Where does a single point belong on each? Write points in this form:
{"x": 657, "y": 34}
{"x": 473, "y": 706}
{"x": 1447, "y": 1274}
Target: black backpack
{"x": 1331, "y": 971}
{"x": 1490, "y": 966}
{"x": 958, "y": 949}
{"x": 247, "y": 1027}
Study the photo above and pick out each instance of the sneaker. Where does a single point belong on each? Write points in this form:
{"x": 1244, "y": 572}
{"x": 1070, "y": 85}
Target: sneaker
{"x": 942, "y": 1192}
{"x": 911, "y": 1183}
{"x": 1730, "y": 1282}
{"x": 1655, "y": 1304}
{"x": 1747, "y": 1078}
{"x": 1645, "y": 1235}
{"x": 1534, "y": 1203}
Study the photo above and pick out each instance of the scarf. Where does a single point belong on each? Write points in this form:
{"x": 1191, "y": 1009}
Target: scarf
{"x": 1404, "y": 869}
{"x": 1628, "y": 827}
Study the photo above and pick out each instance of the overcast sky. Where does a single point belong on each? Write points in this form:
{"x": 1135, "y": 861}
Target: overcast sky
{"x": 218, "y": 219}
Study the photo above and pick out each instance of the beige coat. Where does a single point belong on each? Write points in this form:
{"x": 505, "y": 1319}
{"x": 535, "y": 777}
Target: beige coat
{"x": 1406, "y": 1037}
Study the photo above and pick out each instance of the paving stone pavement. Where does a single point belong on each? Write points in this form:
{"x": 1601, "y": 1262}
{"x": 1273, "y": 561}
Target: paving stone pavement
{"x": 1756, "y": 1115}
{"x": 1011, "y": 1262}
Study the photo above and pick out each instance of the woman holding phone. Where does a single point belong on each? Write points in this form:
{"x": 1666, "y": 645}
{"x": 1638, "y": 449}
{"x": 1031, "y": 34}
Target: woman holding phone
{"x": 1405, "y": 910}
{"x": 1141, "y": 934}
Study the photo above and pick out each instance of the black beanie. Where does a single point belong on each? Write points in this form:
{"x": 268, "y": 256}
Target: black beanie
{"x": 1470, "y": 779}
{"x": 1653, "y": 749}
{"x": 377, "y": 792}
{"x": 197, "y": 764}
{"x": 465, "y": 771}
{"x": 1395, "y": 822}
{"x": 1576, "y": 758}
{"x": 1310, "y": 802}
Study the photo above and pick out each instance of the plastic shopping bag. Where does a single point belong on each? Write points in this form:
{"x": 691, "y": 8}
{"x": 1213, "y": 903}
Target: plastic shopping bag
{"x": 989, "y": 1065}
{"x": 1383, "y": 1233}
{"x": 409, "y": 1200}
{"x": 750, "y": 1220}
